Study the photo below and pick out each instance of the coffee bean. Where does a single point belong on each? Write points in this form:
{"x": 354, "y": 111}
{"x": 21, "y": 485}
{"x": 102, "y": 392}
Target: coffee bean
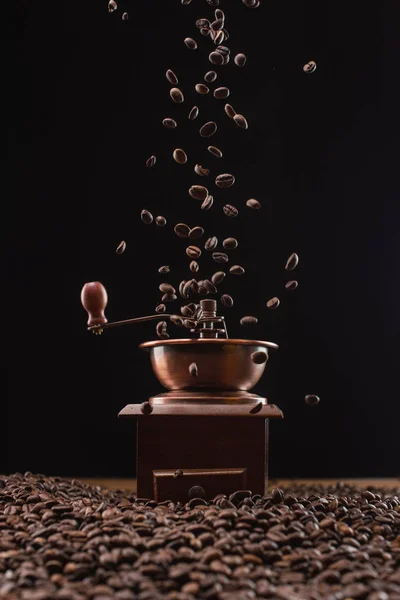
{"x": 161, "y": 308}
{"x": 224, "y": 50}
{"x": 230, "y": 111}
{"x": 178, "y": 473}
{"x": 121, "y": 247}
{"x": 202, "y": 23}
{"x": 292, "y": 262}
{"x": 224, "y": 180}
{"x": 219, "y": 14}
{"x": 221, "y": 93}
{"x": 176, "y": 95}
{"x": 312, "y": 400}
{"x": 291, "y": 285}
{"x": 210, "y": 76}
{"x": 193, "y": 370}
{"x": 214, "y": 150}
{"x": 236, "y": 270}
{"x": 273, "y": 303}
{"x": 230, "y": 211}
{"x": 213, "y": 2}
{"x": 193, "y": 252}
{"x": 161, "y": 221}
{"x": 241, "y": 121}
{"x": 186, "y": 311}
{"x": 161, "y": 330}
{"x": 248, "y": 320}
{"x": 208, "y": 129}
{"x": 207, "y": 203}
{"x": 181, "y": 288}
{"x": 249, "y": 3}
{"x": 176, "y": 320}
{"x": 194, "y": 266}
{"x": 240, "y": 59}
{"x": 217, "y": 24}
{"x": 190, "y": 287}
{"x": 220, "y": 257}
{"x": 277, "y": 496}
{"x": 125, "y": 16}
{"x": 172, "y": 78}
{"x": 196, "y": 232}
{"x": 230, "y": 243}
{"x": 168, "y": 298}
{"x": 211, "y": 243}
{"x": 146, "y": 408}
{"x": 218, "y": 277}
{"x": 179, "y": 156}
{"x": 216, "y": 58}
{"x": 194, "y": 113}
{"x": 205, "y": 31}
{"x": 166, "y": 288}
{"x": 259, "y": 357}
{"x": 146, "y": 217}
{"x": 164, "y": 269}
{"x": 112, "y": 5}
{"x": 150, "y": 162}
{"x": 169, "y": 123}
{"x": 182, "y": 230}
{"x": 201, "y": 89}
{"x": 198, "y": 192}
{"x": 253, "y": 203}
{"x": 217, "y": 36}
{"x": 190, "y": 43}
{"x": 199, "y": 170}
{"x": 310, "y": 67}
{"x": 185, "y": 2}
{"x": 210, "y": 287}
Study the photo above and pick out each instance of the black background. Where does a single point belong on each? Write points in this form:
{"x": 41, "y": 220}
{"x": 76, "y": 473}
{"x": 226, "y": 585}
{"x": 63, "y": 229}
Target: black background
{"x": 89, "y": 94}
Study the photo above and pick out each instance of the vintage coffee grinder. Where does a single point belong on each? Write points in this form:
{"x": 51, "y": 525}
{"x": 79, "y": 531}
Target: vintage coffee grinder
{"x": 207, "y": 434}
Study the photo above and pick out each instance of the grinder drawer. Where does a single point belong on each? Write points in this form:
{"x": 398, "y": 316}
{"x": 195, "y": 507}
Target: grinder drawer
{"x": 178, "y": 484}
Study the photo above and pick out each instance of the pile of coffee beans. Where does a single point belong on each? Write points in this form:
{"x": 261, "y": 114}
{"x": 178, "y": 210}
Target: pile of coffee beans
{"x": 62, "y": 539}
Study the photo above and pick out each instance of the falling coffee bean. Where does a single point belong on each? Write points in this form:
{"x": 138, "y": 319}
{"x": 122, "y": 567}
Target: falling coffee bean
{"x": 218, "y": 277}
{"x": 216, "y": 58}
{"x": 169, "y": 123}
{"x": 273, "y": 303}
{"x": 218, "y": 36}
{"x": 240, "y": 59}
{"x": 248, "y": 320}
{"x": 221, "y": 93}
{"x": 146, "y": 408}
{"x": 181, "y": 288}
{"x": 176, "y": 95}
{"x": 213, "y": 2}
{"x": 196, "y": 232}
{"x": 259, "y": 357}
{"x": 121, "y": 248}
{"x": 164, "y": 269}
{"x": 230, "y": 243}
{"x": 193, "y": 370}
{"x": 182, "y": 230}
{"x": 224, "y": 50}
{"x": 230, "y": 211}
{"x": 241, "y": 121}
{"x": 224, "y": 180}
{"x": 210, "y": 287}
{"x": 211, "y": 243}
{"x": 292, "y": 262}
{"x": 219, "y": 14}
{"x": 194, "y": 266}
{"x": 166, "y": 288}
{"x": 220, "y": 257}
{"x": 178, "y": 473}
{"x": 176, "y": 320}
{"x": 198, "y": 192}
{"x": 189, "y": 323}
{"x": 312, "y": 400}
{"x": 214, "y": 150}
{"x": 112, "y": 5}
{"x": 230, "y": 111}
{"x": 210, "y": 76}
{"x": 291, "y": 285}
{"x": 208, "y": 129}
{"x": 227, "y": 300}
{"x": 205, "y": 31}
{"x": 310, "y": 67}
{"x": 188, "y": 288}
{"x": 207, "y": 203}
{"x": 199, "y": 170}
{"x": 146, "y": 217}
{"x": 125, "y": 16}
{"x": 179, "y": 156}
{"x": 236, "y": 270}
{"x": 172, "y": 78}
{"x": 249, "y": 3}
{"x": 168, "y": 298}
{"x": 150, "y": 162}
{"x": 201, "y": 89}
{"x": 193, "y": 251}
{"x": 190, "y": 43}
{"x": 202, "y": 23}
{"x": 161, "y": 308}
{"x": 194, "y": 113}
{"x": 253, "y": 203}
{"x": 217, "y": 24}
{"x": 186, "y": 311}
{"x": 161, "y": 330}
{"x": 161, "y": 221}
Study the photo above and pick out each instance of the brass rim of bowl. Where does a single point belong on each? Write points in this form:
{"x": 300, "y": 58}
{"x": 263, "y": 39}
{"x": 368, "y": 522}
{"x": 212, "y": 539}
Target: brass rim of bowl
{"x": 217, "y": 341}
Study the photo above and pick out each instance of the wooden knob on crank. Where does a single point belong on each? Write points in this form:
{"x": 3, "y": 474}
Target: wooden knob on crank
{"x": 94, "y": 300}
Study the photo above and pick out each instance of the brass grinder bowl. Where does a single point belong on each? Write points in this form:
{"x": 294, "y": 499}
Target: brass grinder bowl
{"x": 223, "y": 364}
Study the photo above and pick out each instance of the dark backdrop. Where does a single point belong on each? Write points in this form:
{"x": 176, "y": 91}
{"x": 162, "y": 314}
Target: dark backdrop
{"x": 90, "y": 93}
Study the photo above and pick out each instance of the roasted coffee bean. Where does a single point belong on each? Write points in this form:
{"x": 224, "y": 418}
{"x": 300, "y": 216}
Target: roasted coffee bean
{"x": 216, "y": 58}
{"x": 198, "y": 192}
{"x": 161, "y": 308}
{"x": 176, "y": 95}
{"x": 189, "y": 323}
{"x": 169, "y": 123}
{"x": 202, "y": 23}
{"x": 146, "y": 217}
{"x": 224, "y": 180}
{"x": 210, "y": 76}
{"x": 291, "y": 285}
{"x": 217, "y": 36}
{"x": 241, "y": 121}
{"x": 208, "y": 129}
{"x": 230, "y": 211}
{"x": 194, "y": 113}
{"x": 253, "y": 203}
{"x": 248, "y": 320}
{"x": 211, "y": 243}
{"x": 224, "y": 50}
{"x": 150, "y": 162}
{"x": 186, "y": 311}
{"x": 217, "y": 24}
{"x": 179, "y": 156}
{"x": 214, "y": 150}
{"x": 218, "y": 277}
{"x": 161, "y": 221}
{"x": 125, "y": 16}
{"x": 273, "y": 303}
{"x": 220, "y": 257}
{"x": 230, "y": 111}
{"x": 190, "y": 287}
{"x": 121, "y": 247}
{"x": 210, "y": 287}
{"x": 176, "y": 320}
{"x": 249, "y": 3}
{"x": 182, "y": 230}
{"x": 259, "y": 357}
{"x": 311, "y": 399}
{"x": 193, "y": 370}
{"x": 310, "y": 67}
{"x": 230, "y": 243}
{"x": 199, "y": 170}
{"x": 146, "y": 408}
{"x": 112, "y": 5}
{"x": 194, "y": 266}
{"x": 172, "y": 78}
{"x": 221, "y": 93}
{"x": 213, "y": 2}
{"x": 207, "y": 203}
{"x": 240, "y": 59}
{"x": 180, "y": 288}
{"x": 161, "y": 330}
{"x": 196, "y": 232}
{"x": 201, "y": 89}
{"x": 168, "y": 298}
{"x": 205, "y": 31}
{"x": 190, "y": 43}
{"x": 292, "y": 262}
{"x": 164, "y": 269}
{"x": 193, "y": 251}
{"x": 166, "y": 288}
{"x": 278, "y": 496}
{"x": 178, "y": 473}
{"x": 236, "y": 270}
{"x": 219, "y": 14}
